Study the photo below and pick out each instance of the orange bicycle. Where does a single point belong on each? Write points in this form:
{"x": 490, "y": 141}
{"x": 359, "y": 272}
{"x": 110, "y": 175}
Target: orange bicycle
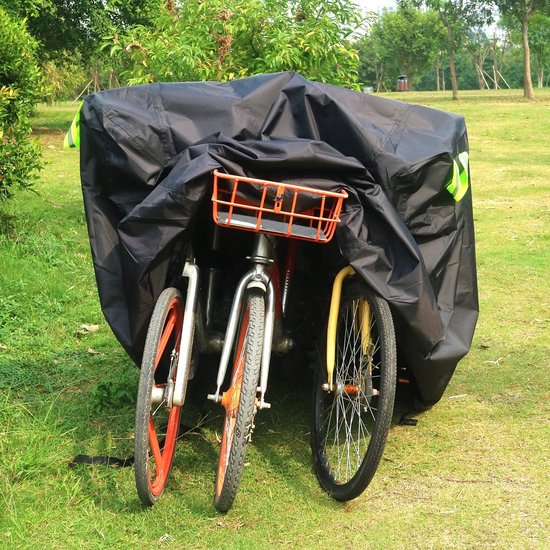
{"x": 354, "y": 386}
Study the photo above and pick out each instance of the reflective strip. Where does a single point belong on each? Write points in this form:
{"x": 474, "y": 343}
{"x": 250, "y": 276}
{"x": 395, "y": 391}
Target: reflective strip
{"x": 459, "y": 181}
{"x": 453, "y": 184}
{"x": 72, "y": 138}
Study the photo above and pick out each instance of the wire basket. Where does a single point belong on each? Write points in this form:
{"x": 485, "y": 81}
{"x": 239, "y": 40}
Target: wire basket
{"x": 276, "y": 208}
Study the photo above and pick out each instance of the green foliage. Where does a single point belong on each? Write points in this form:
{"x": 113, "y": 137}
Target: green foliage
{"x": 69, "y": 36}
{"x": 539, "y": 41}
{"x": 404, "y": 41}
{"x": 20, "y": 88}
{"x": 222, "y": 39}
{"x": 523, "y": 9}
{"x": 113, "y": 393}
{"x": 64, "y": 78}
{"x": 65, "y": 25}
{"x": 25, "y": 8}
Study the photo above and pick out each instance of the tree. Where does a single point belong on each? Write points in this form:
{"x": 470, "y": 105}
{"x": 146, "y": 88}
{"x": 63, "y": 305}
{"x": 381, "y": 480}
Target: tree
{"x": 457, "y": 16}
{"x": 404, "y": 41}
{"x": 523, "y": 11}
{"x": 70, "y": 35}
{"x": 20, "y": 83}
{"x": 539, "y": 43}
{"x": 69, "y": 26}
{"x": 478, "y": 47}
{"x": 372, "y": 61}
{"x": 224, "y": 39}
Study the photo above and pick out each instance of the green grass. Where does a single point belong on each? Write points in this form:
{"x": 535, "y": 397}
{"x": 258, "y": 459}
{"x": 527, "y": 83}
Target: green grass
{"x": 473, "y": 473}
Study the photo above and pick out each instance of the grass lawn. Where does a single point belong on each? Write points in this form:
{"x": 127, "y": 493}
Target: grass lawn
{"x": 473, "y": 473}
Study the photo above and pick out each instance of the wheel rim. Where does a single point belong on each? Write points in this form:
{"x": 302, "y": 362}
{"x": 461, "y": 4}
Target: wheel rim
{"x": 230, "y": 401}
{"x": 349, "y": 412}
{"x": 163, "y": 423}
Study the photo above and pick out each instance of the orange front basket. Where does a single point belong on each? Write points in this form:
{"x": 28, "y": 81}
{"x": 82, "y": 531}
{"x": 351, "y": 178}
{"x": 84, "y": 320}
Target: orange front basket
{"x": 276, "y": 208}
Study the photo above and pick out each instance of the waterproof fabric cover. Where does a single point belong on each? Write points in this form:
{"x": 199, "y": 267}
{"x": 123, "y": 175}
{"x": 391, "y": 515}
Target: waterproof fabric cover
{"x": 147, "y": 153}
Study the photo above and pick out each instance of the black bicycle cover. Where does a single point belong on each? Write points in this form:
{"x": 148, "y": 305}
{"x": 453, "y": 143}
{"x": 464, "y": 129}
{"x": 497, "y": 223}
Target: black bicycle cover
{"x": 147, "y": 153}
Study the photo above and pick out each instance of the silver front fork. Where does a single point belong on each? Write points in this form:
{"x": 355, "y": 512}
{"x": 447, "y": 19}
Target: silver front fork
{"x": 254, "y": 278}
{"x": 191, "y": 272}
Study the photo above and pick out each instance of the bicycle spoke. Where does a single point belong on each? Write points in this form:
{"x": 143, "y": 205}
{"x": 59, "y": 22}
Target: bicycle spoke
{"x": 347, "y": 433}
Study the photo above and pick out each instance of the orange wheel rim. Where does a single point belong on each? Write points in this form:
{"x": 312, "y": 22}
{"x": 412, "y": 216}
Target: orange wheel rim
{"x": 163, "y": 456}
{"x": 230, "y": 401}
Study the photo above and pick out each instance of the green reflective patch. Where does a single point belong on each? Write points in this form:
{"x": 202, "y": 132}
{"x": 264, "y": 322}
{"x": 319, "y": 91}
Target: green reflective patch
{"x": 72, "y": 138}
{"x": 459, "y": 181}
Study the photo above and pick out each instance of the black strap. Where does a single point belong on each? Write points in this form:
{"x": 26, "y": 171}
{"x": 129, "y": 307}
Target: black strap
{"x": 406, "y": 420}
{"x": 104, "y": 460}
{"x": 122, "y": 462}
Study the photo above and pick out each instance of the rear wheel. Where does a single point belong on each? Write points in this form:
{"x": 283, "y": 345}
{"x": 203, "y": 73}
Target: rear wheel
{"x": 157, "y": 424}
{"x": 351, "y": 422}
{"x": 239, "y": 401}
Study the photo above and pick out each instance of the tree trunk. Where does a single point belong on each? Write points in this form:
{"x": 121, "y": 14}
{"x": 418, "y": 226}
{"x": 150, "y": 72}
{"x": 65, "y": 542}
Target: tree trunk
{"x": 437, "y": 78}
{"x": 540, "y": 78}
{"x": 379, "y": 76}
{"x": 97, "y": 85}
{"x": 480, "y": 79}
{"x": 454, "y": 84}
{"x": 528, "y": 92}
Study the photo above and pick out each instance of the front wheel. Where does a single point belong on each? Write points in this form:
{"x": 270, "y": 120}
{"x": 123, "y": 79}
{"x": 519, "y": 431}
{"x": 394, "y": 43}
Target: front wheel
{"x": 239, "y": 401}
{"x": 157, "y": 424}
{"x": 351, "y": 422}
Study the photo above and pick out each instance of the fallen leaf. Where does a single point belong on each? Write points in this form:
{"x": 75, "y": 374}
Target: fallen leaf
{"x": 89, "y": 328}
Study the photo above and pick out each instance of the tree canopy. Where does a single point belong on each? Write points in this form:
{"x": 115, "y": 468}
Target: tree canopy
{"x": 405, "y": 41}
{"x": 116, "y": 42}
{"x": 223, "y": 39}
{"x": 523, "y": 11}
{"x": 457, "y": 16}
{"x": 20, "y": 83}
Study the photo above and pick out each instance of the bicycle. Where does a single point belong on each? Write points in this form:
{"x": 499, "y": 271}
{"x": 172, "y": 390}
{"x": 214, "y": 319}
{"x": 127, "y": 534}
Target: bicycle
{"x": 355, "y": 378}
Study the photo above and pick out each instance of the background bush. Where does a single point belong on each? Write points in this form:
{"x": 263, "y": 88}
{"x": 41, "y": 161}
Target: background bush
{"x": 20, "y": 89}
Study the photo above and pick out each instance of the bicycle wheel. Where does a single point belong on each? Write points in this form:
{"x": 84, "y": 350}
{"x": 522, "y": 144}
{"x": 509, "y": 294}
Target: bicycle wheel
{"x": 239, "y": 401}
{"x": 351, "y": 423}
{"x": 156, "y": 425}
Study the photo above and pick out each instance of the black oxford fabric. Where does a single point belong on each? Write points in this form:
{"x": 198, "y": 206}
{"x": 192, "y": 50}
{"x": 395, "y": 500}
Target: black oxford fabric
{"x": 147, "y": 153}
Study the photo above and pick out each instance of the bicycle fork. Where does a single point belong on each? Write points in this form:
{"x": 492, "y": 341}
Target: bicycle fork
{"x": 256, "y": 277}
{"x": 174, "y": 393}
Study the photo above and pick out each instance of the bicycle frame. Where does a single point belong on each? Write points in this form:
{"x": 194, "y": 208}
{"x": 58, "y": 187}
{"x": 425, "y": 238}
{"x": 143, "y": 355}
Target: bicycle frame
{"x": 318, "y": 226}
{"x": 264, "y": 269}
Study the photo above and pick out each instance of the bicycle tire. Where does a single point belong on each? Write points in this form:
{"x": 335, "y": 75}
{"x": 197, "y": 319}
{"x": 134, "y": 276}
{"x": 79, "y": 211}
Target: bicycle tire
{"x": 156, "y": 428}
{"x": 240, "y": 401}
{"x": 351, "y": 423}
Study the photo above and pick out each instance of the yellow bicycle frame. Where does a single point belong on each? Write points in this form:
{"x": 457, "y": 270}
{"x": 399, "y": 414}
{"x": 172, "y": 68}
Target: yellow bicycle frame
{"x": 364, "y": 319}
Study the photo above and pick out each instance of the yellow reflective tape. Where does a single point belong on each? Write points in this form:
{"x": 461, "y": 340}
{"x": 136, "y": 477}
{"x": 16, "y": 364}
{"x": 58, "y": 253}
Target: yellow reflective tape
{"x": 459, "y": 181}
{"x": 463, "y": 176}
{"x": 72, "y": 138}
{"x": 454, "y": 182}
